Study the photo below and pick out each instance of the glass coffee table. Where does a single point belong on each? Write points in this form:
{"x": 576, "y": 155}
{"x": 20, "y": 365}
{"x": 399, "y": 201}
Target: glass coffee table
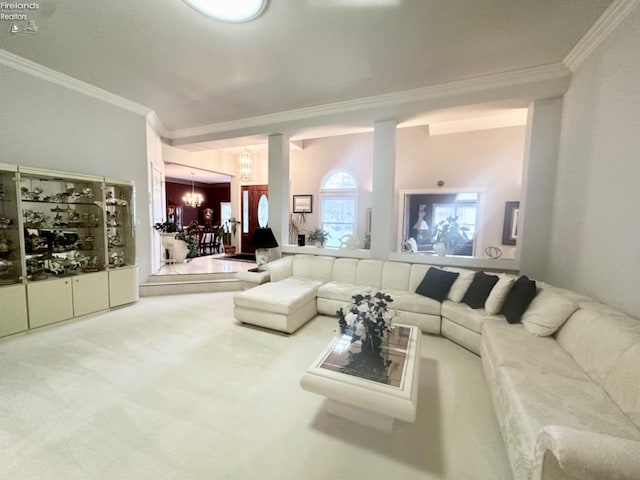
{"x": 370, "y": 389}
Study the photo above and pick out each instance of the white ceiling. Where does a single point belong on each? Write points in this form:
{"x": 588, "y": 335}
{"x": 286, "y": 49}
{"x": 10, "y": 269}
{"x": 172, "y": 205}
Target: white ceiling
{"x": 193, "y": 71}
{"x": 180, "y": 172}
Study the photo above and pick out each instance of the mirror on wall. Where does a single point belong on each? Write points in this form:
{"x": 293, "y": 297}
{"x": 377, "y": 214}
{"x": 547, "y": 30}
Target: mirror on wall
{"x": 444, "y": 223}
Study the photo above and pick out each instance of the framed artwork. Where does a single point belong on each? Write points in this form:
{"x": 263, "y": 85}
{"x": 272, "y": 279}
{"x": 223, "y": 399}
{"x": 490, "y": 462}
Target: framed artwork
{"x": 510, "y": 227}
{"x": 302, "y": 203}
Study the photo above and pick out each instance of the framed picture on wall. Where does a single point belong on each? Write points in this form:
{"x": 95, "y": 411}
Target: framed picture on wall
{"x": 302, "y": 203}
{"x": 510, "y": 227}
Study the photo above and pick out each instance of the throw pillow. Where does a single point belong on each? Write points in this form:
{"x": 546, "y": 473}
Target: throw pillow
{"x": 520, "y": 296}
{"x": 436, "y": 284}
{"x": 461, "y": 285}
{"x": 479, "y": 289}
{"x": 498, "y": 294}
{"x": 546, "y": 314}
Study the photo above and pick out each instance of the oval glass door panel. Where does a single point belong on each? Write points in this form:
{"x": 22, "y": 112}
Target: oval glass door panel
{"x": 263, "y": 211}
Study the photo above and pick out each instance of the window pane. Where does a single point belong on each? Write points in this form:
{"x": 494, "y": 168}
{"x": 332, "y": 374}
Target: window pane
{"x": 339, "y": 180}
{"x": 338, "y": 217}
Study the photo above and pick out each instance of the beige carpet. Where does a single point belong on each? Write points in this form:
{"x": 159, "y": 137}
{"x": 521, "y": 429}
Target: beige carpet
{"x": 172, "y": 388}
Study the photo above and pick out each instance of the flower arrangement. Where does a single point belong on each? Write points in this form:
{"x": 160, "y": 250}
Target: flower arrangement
{"x": 367, "y": 318}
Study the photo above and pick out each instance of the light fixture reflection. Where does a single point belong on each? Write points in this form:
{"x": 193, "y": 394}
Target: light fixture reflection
{"x": 234, "y": 11}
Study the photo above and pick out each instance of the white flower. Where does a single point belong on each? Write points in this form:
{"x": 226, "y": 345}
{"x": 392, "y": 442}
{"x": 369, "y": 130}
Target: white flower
{"x": 360, "y": 330}
{"x": 363, "y": 308}
{"x": 350, "y": 318}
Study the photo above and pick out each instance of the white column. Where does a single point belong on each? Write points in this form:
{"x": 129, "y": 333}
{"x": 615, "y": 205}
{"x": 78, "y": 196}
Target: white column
{"x": 538, "y": 185}
{"x": 384, "y": 174}
{"x": 279, "y": 186}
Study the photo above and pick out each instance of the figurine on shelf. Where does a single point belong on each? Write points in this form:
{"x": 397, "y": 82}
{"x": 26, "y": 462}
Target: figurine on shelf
{"x": 116, "y": 259}
{"x": 7, "y": 272}
{"x": 5, "y": 222}
{"x": 86, "y": 243}
{"x": 4, "y": 247}
{"x": 116, "y": 240}
{"x": 112, "y": 219}
{"x": 35, "y": 243}
{"x": 33, "y": 195}
{"x": 92, "y": 265}
{"x": 86, "y": 192}
{"x": 35, "y": 268}
{"x": 33, "y": 219}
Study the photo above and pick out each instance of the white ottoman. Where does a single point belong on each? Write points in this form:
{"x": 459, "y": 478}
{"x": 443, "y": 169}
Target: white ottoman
{"x": 285, "y": 305}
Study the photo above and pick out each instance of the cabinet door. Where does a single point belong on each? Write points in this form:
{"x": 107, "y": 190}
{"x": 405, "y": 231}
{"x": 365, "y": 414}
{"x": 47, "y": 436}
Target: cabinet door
{"x": 49, "y": 301}
{"x": 13, "y": 314}
{"x": 90, "y": 293}
{"x": 123, "y": 286}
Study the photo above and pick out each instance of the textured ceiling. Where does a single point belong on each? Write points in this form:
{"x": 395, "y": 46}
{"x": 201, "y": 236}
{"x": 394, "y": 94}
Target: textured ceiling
{"x": 195, "y": 71}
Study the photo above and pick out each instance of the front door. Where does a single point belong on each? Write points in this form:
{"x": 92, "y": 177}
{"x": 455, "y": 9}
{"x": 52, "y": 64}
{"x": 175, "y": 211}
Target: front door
{"x": 250, "y": 196}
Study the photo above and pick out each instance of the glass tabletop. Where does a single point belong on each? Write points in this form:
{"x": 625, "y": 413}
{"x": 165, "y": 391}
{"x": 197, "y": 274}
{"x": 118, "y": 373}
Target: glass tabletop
{"x": 384, "y": 366}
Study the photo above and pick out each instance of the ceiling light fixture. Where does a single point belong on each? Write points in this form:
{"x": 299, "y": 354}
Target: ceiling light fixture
{"x": 192, "y": 199}
{"x": 233, "y": 11}
{"x": 245, "y": 166}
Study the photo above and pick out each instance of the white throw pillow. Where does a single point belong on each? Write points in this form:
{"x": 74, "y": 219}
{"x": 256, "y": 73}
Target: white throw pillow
{"x": 498, "y": 294}
{"x": 546, "y": 313}
{"x": 461, "y": 285}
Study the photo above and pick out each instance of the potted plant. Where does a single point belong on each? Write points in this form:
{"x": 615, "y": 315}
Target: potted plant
{"x": 227, "y": 232}
{"x": 175, "y": 249}
{"x": 319, "y": 236}
{"x": 446, "y": 234}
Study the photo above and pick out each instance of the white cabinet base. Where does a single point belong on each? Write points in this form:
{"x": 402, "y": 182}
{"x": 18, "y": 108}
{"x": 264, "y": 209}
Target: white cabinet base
{"x": 90, "y": 293}
{"x": 49, "y": 301}
{"x": 123, "y": 286}
{"x": 13, "y": 314}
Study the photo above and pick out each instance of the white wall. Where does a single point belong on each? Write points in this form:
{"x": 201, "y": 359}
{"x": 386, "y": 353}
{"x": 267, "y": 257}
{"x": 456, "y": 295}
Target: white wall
{"x": 44, "y": 125}
{"x": 309, "y": 166}
{"x": 595, "y": 241}
{"x": 487, "y": 159}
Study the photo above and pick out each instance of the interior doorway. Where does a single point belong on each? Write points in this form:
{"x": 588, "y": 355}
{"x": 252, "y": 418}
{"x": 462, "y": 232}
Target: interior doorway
{"x": 250, "y": 196}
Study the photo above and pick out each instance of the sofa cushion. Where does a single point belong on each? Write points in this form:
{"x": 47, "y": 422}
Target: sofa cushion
{"x": 623, "y": 383}
{"x": 285, "y": 296}
{"x": 344, "y": 270}
{"x": 520, "y": 296}
{"x": 461, "y": 285}
{"x": 527, "y": 401}
{"x": 479, "y": 290}
{"x": 546, "y": 313}
{"x": 498, "y": 294}
{"x": 369, "y": 273}
{"x": 280, "y": 269}
{"x": 339, "y": 291}
{"x": 510, "y": 345}
{"x": 418, "y": 271}
{"x": 315, "y": 267}
{"x": 464, "y": 315}
{"x": 436, "y": 284}
{"x": 596, "y": 336}
{"x": 395, "y": 276}
{"x": 410, "y": 302}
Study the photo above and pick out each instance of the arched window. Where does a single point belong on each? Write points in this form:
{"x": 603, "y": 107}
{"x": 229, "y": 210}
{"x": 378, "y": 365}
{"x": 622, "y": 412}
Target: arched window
{"x": 339, "y": 198}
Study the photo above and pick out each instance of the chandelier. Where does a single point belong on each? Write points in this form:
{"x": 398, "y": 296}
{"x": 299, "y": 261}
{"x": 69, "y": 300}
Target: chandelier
{"x": 245, "y": 166}
{"x": 192, "y": 199}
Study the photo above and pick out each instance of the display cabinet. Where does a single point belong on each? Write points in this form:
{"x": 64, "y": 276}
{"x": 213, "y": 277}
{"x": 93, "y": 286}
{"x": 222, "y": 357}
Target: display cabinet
{"x": 121, "y": 241}
{"x": 67, "y": 246}
{"x": 13, "y": 314}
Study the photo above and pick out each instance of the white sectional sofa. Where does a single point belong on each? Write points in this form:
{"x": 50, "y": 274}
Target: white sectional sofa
{"x": 568, "y": 404}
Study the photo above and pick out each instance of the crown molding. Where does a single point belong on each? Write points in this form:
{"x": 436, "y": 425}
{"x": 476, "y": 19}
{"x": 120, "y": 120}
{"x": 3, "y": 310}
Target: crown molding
{"x": 22, "y": 64}
{"x": 598, "y": 33}
{"x": 459, "y": 87}
{"x": 156, "y": 124}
